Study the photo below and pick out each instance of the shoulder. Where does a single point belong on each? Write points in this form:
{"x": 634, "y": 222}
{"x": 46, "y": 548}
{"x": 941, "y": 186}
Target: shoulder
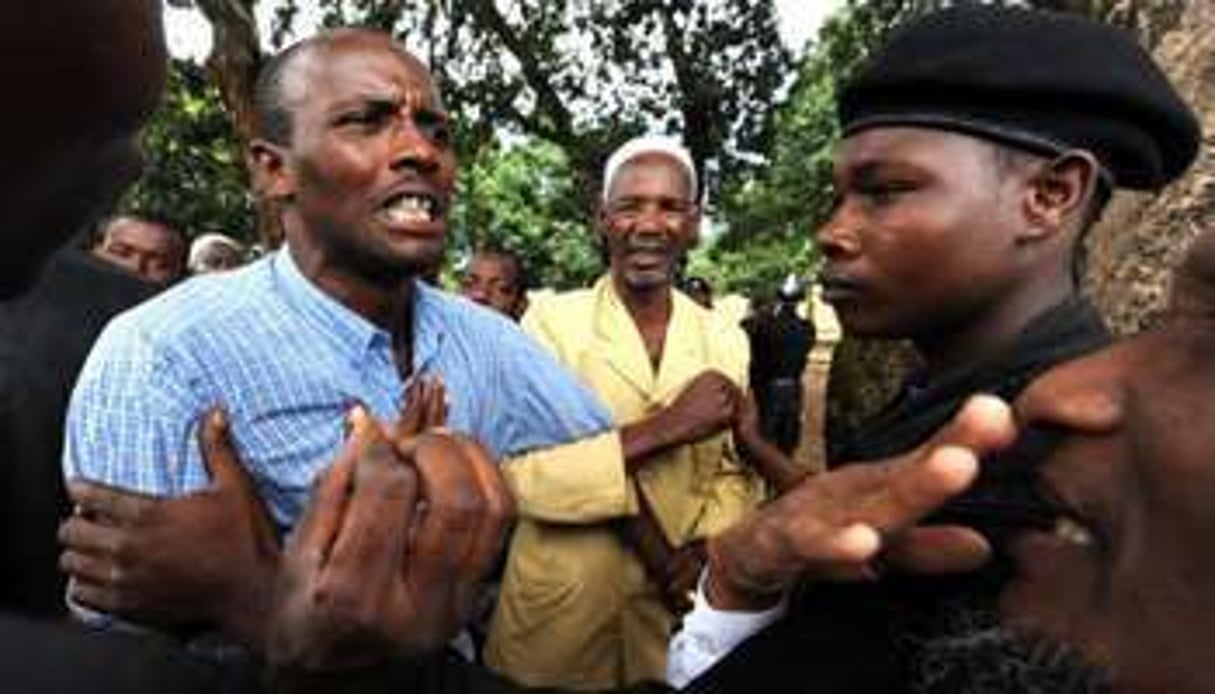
{"x": 194, "y": 313}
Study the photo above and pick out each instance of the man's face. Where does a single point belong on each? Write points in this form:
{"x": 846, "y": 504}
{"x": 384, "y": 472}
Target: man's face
{"x": 147, "y": 249}
{"x": 490, "y": 281}
{"x": 922, "y": 237}
{"x": 648, "y": 222}
{"x": 1128, "y": 572}
{"x": 368, "y": 175}
{"x": 77, "y": 93}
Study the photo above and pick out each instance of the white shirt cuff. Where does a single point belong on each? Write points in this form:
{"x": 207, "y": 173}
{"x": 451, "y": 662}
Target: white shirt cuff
{"x": 709, "y": 634}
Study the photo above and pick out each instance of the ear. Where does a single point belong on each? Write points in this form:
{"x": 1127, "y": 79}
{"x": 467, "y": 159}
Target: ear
{"x": 1058, "y": 192}
{"x": 272, "y": 177}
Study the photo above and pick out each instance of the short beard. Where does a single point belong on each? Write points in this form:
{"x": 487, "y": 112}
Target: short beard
{"x": 967, "y": 648}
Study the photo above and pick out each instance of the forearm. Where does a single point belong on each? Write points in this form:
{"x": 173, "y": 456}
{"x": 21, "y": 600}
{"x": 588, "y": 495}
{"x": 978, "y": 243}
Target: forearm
{"x": 579, "y": 482}
{"x": 770, "y": 462}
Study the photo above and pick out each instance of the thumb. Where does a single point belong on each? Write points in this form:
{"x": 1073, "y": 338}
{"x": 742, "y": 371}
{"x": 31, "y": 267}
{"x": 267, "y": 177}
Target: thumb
{"x": 219, "y": 455}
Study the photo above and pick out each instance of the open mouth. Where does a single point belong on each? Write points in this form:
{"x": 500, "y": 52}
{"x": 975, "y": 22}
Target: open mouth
{"x": 412, "y": 208}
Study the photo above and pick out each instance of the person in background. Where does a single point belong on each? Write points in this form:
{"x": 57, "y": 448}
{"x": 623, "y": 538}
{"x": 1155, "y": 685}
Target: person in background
{"x": 780, "y": 344}
{"x": 589, "y": 602}
{"x": 215, "y": 253}
{"x": 977, "y": 151}
{"x": 145, "y": 247}
{"x": 496, "y": 278}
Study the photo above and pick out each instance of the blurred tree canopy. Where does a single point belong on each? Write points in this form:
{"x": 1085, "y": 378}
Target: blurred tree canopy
{"x": 541, "y": 91}
{"x": 572, "y": 75}
{"x": 194, "y": 173}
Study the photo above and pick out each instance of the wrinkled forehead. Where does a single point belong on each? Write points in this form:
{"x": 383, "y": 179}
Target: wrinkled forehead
{"x": 356, "y": 63}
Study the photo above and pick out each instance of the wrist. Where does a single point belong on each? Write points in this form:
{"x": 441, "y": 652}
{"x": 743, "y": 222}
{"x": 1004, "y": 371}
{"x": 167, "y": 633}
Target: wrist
{"x": 728, "y": 588}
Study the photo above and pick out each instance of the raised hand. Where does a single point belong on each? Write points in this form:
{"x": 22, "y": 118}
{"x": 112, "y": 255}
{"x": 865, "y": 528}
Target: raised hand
{"x": 832, "y": 526}
{"x": 391, "y": 549}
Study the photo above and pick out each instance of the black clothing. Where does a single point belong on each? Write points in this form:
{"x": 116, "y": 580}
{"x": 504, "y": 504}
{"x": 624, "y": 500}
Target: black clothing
{"x": 780, "y": 344}
{"x": 45, "y": 336}
{"x": 902, "y": 633}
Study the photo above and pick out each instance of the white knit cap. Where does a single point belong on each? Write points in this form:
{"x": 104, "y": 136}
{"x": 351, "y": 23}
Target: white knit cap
{"x": 205, "y": 241}
{"x": 648, "y": 144}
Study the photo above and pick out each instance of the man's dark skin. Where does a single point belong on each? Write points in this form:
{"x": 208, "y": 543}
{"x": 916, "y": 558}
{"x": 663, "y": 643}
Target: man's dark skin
{"x": 144, "y": 247}
{"x": 495, "y": 279}
{"x": 1126, "y": 572}
{"x": 334, "y": 177}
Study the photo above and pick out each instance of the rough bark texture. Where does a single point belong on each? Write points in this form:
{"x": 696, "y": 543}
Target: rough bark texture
{"x": 1134, "y": 249}
{"x": 1142, "y": 237}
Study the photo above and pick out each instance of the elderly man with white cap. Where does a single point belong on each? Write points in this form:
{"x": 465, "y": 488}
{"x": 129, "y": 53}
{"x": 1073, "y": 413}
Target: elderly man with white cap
{"x": 590, "y": 606}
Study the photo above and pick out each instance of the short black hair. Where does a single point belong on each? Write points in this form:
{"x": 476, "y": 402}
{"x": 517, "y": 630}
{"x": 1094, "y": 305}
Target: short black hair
{"x": 272, "y": 119}
{"x": 515, "y": 260}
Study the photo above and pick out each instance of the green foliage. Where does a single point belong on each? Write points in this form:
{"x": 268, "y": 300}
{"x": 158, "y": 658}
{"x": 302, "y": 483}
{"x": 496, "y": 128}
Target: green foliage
{"x": 585, "y": 76}
{"x": 771, "y": 214}
{"x": 194, "y": 175}
{"x": 519, "y": 197}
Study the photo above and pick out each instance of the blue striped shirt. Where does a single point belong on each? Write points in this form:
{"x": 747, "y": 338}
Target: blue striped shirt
{"x": 286, "y": 361}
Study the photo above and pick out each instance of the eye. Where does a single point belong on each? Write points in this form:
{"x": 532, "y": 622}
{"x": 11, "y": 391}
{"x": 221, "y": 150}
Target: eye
{"x": 885, "y": 191}
{"x": 369, "y": 117}
{"x": 435, "y": 127}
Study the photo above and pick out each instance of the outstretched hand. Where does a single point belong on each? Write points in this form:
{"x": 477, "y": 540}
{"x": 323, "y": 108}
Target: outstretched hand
{"x": 832, "y": 526}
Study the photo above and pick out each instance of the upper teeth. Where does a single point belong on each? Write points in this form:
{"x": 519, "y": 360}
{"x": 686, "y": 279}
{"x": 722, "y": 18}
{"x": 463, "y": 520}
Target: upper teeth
{"x": 411, "y": 208}
{"x": 1072, "y": 532}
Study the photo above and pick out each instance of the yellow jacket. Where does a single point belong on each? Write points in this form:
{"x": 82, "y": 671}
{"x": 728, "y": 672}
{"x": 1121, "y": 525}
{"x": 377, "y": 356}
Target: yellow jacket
{"x": 576, "y": 609}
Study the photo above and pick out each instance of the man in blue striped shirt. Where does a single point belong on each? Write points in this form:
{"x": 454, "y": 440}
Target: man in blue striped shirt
{"x": 357, "y": 150}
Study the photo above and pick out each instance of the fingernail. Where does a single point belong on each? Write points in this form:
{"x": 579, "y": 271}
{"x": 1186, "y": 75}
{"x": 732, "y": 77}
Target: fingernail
{"x": 218, "y": 418}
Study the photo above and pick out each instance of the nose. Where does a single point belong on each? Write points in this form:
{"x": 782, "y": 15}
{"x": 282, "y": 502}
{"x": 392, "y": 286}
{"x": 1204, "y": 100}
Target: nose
{"x": 839, "y": 237}
{"x": 413, "y": 148}
{"x": 1082, "y": 396}
{"x": 476, "y": 293}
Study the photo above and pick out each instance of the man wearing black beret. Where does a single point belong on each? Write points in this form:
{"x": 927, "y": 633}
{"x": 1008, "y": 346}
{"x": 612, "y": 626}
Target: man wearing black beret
{"x": 980, "y": 144}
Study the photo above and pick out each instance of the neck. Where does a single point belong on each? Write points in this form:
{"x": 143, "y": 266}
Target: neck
{"x": 991, "y": 329}
{"x": 385, "y": 304}
{"x": 650, "y": 307}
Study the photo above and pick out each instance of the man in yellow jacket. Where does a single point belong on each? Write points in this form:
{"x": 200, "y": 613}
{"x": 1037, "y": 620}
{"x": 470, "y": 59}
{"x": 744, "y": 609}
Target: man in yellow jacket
{"x": 585, "y": 601}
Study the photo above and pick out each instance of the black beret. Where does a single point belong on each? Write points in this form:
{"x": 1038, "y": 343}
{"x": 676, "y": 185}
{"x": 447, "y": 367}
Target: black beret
{"x": 1041, "y": 81}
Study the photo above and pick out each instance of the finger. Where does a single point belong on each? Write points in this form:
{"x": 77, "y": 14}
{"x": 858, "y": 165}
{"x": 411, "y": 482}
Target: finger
{"x": 374, "y": 533}
{"x": 413, "y": 410}
{"x": 88, "y": 567}
{"x": 917, "y": 485}
{"x": 499, "y": 508}
{"x": 436, "y": 413}
{"x": 984, "y": 425}
{"x": 118, "y": 505}
{"x": 219, "y": 455}
{"x": 89, "y": 536}
{"x": 314, "y": 535}
{"x": 95, "y": 596}
{"x": 445, "y": 556}
{"x": 938, "y": 550}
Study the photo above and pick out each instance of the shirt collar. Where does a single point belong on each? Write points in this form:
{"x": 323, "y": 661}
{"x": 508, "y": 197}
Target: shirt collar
{"x": 349, "y": 328}
{"x": 353, "y": 330}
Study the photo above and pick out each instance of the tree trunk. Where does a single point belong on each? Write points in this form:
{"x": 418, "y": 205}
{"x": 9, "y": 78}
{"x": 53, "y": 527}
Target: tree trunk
{"x": 233, "y": 65}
